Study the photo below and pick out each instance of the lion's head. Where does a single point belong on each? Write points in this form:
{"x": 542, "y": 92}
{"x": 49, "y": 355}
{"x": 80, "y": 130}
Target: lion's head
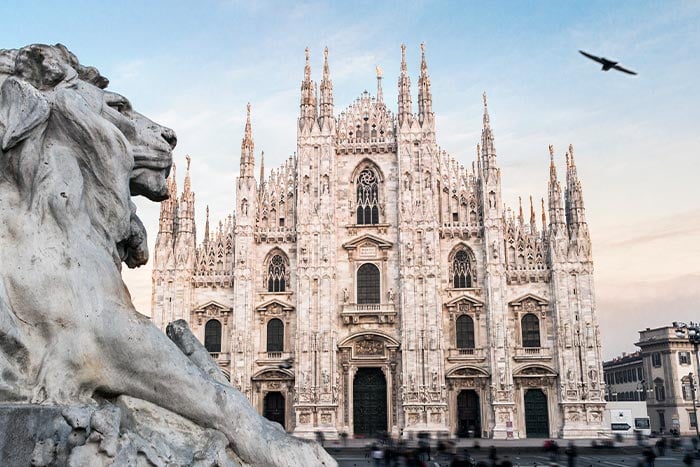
{"x": 72, "y": 151}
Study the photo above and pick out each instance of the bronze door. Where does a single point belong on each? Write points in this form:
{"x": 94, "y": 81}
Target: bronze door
{"x": 536, "y": 414}
{"x": 273, "y": 407}
{"x": 468, "y": 414}
{"x": 369, "y": 402}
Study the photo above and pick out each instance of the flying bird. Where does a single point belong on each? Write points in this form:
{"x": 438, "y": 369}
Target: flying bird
{"x": 607, "y": 64}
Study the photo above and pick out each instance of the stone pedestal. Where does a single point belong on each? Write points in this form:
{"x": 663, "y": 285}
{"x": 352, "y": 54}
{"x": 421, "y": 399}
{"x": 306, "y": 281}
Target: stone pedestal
{"x": 22, "y": 429}
{"x": 126, "y": 432}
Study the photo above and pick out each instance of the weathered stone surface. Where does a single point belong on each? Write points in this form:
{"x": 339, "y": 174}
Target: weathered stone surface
{"x": 71, "y": 156}
{"x": 149, "y": 436}
{"x": 30, "y": 435}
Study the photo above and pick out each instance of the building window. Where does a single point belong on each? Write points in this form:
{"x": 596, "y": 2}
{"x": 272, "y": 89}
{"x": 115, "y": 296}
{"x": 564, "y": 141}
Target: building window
{"x": 465, "y": 332}
{"x": 693, "y": 419}
{"x": 684, "y": 358}
{"x": 662, "y": 421}
{"x": 687, "y": 388}
{"x": 639, "y": 374}
{"x": 212, "y": 336}
{"x": 531, "y": 330}
{"x": 277, "y": 274}
{"x": 275, "y": 335}
{"x": 368, "y": 284}
{"x": 461, "y": 271}
{"x": 659, "y": 390}
{"x": 656, "y": 359}
{"x": 367, "y": 198}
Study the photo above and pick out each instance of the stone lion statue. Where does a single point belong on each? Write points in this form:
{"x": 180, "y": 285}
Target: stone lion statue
{"x": 71, "y": 156}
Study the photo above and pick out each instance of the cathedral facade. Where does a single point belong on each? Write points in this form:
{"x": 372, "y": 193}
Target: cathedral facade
{"x": 374, "y": 283}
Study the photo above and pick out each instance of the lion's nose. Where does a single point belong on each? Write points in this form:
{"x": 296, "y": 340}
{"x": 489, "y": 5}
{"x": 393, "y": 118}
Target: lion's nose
{"x": 169, "y": 136}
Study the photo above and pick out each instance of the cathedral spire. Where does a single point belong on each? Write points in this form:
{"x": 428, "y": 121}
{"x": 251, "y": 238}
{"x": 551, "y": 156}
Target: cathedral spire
{"x": 185, "y": 211}
{"x": 425, "y": 98}
{"x": 380, "y": 92}
{"x": 173, "y": 182}
{"x": 521, "y": 218}
{"x": 262, "y": 169}
{"x": 308, "y": 105}
{"x": 326, "y": 92}
{"x": 575, "y": 211}
{"x": 488, "y": 149}
{"x": 533, "y": 221}
{"x": 188, "y": 184}
{"x": 168, "y": 208}
{"x": 206, "y": 228}
{"x": 247, "y": 148}
{"x": 544, "y": 217}
{"x": 556, "y": 211}
{"x": 405, "y": 106}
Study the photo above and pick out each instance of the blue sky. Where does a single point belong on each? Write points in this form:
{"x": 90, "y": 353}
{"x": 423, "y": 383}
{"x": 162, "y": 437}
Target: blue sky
{"x": 193, "y": 68}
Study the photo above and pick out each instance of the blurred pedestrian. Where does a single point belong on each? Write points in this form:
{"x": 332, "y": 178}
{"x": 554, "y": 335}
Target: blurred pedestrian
{"x": 571, "y": 454}
{"x": 649, "y": 456}
{"x": 493, "y": 456}
{"x": 688, "y": 459}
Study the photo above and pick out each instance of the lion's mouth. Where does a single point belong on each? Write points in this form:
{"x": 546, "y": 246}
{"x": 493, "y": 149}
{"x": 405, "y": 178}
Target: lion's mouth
{"x": 151, "y": 168}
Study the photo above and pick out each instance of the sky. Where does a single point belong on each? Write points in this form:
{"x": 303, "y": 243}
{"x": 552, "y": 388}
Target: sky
{"x": 193, "y": 66}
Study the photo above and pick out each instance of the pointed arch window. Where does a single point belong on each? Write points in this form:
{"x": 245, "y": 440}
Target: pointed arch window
{"x": 465, "y": 332}
{"x": 368, "y": 289}
{"x": 275, "y": 335}
{"x": 461, "y": 270}
{"x": 367, "y": 198}
{"x": 277, "y": 274}
{"x": 212, "y": 336}
{"x": 530, "y": 327}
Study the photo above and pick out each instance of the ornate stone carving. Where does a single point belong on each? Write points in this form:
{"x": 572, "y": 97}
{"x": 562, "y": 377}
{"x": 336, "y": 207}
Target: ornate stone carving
{"x": 369, "y": 348}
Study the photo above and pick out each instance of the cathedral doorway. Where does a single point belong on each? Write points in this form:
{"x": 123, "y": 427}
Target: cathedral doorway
{"x": 468, "y": 414}
{"x": 536, "y": 414}
{"x": 273, "y": 407}
{"x": 369, "y": 402}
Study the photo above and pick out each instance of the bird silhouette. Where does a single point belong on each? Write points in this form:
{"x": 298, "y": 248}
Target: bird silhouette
{"x": 607, "y": 64}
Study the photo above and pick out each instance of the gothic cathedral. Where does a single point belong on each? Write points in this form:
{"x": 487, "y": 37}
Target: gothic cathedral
{"x": 374, "y": 283}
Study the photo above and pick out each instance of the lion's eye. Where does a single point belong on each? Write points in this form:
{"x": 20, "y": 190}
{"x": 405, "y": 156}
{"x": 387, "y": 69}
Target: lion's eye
{"x": 121, "y": 106}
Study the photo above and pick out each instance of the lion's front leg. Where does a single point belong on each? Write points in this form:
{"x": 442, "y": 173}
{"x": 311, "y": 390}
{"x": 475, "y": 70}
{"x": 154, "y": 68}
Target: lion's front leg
{"x": 153, "y": 368}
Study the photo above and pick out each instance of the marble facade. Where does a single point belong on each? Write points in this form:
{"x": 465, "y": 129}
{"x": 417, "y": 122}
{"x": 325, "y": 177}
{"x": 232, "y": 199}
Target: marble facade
{"x": 373, "y": 248}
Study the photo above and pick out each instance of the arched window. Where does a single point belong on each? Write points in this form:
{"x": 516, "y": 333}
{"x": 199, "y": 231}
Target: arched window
{"x": 277, "y": 274}
{"x": 531, "y": 330}
{"x": 368, "y": 284}
{"x": 367, "y": 198}
{"x": 212, "y": 336}
{"x": 461, "y": 270}
{"x": 275, "y": 335}
{"x": 465, "y": 332}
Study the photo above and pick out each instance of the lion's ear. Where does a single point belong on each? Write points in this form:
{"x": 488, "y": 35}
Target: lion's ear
{"x": 22, "y": 109}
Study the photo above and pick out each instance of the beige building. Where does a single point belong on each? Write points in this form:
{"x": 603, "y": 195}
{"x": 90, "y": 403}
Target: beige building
{"x": 668, "y": 361}
{"x": 408, "y": 296}
{"x": 624, "y": 378}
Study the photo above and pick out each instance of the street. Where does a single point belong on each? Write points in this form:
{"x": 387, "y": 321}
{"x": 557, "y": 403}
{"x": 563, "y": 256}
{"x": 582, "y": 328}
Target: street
{"x": 526, "y": 454}
{"x": 354, "y": 459}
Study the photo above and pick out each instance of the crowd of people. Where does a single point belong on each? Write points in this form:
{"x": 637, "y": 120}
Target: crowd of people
{"x": 387, "y": 453}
